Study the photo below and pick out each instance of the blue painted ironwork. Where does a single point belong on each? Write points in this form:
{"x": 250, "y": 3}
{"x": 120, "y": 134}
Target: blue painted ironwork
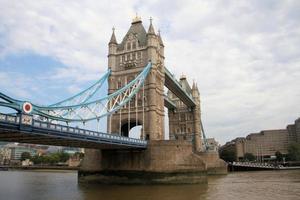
{"x": 84, "y": 111}
{"x": 85, "y": 95}
{"x": 26, "y": 125}
{"x": 185, "y": 97}
{"x": 204, "y": 137}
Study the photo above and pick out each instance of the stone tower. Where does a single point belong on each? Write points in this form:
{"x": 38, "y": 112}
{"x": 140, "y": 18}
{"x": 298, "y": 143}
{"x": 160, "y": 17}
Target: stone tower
{"x": 126, "y": 60}
{"x": 185, "y": 122}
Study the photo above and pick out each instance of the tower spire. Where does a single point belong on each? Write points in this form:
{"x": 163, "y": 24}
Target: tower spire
{"x": 151, "y": 29}
{"x": 113, "y": 39}
{"x": 159, "y": 39}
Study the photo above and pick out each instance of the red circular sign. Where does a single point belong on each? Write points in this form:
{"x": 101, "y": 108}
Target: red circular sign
{"x": 27, "y": 107}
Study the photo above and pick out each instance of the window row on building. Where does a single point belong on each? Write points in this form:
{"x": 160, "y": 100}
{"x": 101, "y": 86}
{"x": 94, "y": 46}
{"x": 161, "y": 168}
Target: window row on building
{"x": 131, "y": 56}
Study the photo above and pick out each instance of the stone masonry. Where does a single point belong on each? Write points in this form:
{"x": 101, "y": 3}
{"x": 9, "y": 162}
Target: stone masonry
{"x": 173, "y": 161}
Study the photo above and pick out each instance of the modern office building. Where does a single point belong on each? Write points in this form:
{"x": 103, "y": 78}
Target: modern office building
{"x": 266, "y": 143}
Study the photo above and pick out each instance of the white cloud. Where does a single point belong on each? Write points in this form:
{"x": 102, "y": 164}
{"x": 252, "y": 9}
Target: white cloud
{"x": 244, "y": 55}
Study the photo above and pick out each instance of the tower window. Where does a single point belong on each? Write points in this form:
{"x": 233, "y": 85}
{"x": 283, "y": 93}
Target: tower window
{"x": 128, "y": 46}
{"x": 134, "y": 45}
{"x": 182, "y": 117}
{"x": 119, "y": 84}
{"x": 139, "y": 55}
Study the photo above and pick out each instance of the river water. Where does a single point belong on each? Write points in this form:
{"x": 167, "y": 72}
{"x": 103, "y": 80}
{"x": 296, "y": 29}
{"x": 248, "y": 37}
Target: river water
{"x": 62, "y": 185}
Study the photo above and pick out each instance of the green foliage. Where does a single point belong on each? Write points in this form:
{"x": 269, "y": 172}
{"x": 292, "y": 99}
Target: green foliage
{"x": 279, "y": 156}
{"x": 25, "y": 155}
{"x": 249, "y": 157}
{"x": 80, "y": 154}
{"x": 294, "y": 152}
{"x": 227, "y": 155}
{"x": 51, "y": 159}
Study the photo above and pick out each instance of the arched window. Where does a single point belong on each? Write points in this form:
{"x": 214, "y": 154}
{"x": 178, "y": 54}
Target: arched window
{"x": 133, "y": 56}
{"x": 128, "y": 46}
{"x": 134, "y": 45}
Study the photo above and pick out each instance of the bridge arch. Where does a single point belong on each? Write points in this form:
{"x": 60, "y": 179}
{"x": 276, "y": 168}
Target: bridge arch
{"x": 129, "y": 128}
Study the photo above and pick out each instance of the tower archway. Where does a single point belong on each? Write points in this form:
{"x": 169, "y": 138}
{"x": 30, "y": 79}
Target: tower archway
{"x": 132, "y": 128}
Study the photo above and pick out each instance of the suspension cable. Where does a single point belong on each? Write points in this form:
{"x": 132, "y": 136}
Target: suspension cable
{"x": 110, "y": 119}
{"x": 120, "y": 121}
{"x": 128, "y": 117}
{"x": 143, "y": 111}
{"x": 136, "y": 109}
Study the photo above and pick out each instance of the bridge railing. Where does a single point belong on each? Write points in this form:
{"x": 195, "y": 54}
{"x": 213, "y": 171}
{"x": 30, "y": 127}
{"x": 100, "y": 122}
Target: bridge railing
{"x": 67, "y": 129}
{"x": 254, "y": 164}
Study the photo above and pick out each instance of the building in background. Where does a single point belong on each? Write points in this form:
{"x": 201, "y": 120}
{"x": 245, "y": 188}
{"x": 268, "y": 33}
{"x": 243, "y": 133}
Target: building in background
{"x": 5, "y": 155}
{"x": 212, "y": 144}
{"x": 265, "y": 144}
{"x": 17, "y": 150}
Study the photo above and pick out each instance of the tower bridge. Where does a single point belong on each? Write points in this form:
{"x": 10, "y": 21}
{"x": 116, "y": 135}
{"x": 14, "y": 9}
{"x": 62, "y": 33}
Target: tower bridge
{"x": 136, "y": 79}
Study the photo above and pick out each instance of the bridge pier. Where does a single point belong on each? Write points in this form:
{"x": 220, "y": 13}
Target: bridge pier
{"x": 163, "y": 162}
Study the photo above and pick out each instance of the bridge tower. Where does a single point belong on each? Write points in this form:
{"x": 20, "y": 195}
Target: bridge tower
{"x": 126, "y": 60}
{"x": 184, "y": 122}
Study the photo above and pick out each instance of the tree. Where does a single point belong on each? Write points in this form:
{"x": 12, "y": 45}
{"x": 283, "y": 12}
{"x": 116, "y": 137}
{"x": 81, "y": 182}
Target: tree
{"x": 37, "y": 159}
{"x": 278, "y": 155}
{"x": 249, "y": 157}
{"x": 25, "y": 155}
{"x": 79, "y": 154}
{"x": 63, "y": 157}
{"x": 227, "y": 155}
{"x": 294, "y": 152}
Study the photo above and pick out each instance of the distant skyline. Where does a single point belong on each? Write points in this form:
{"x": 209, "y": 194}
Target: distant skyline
{"x": 244, "y": 55}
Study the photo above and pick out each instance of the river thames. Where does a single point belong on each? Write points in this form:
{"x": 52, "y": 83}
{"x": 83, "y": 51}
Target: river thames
{"x": 62, "y": 185}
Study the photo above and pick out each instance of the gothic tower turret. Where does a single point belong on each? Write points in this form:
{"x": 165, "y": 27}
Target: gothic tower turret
{"x": 197, "y": 118}
{"x": 112, "y": 50}
{"x": 126, "y": 60}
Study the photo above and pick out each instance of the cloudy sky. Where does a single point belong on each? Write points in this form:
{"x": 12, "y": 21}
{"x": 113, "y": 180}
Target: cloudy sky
{"x": 244, "y": 55}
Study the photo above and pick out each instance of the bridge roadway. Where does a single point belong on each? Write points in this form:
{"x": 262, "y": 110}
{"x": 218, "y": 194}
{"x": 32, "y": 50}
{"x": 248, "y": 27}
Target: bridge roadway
{"x": 24, "y": 129}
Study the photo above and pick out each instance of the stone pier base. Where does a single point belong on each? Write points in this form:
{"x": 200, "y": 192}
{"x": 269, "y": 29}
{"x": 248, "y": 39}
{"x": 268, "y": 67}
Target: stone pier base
{"x": 163, "y": 162}
{"x": 215, "y": 165}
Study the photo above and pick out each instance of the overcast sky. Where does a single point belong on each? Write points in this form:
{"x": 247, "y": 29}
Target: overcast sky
{"x": 244, "y": 55}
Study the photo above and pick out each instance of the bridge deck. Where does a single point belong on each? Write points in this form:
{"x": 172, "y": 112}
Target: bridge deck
{"x": 169, "y": 103}
{"x": 24, "y": 129}
{"x": 174, "y": 86}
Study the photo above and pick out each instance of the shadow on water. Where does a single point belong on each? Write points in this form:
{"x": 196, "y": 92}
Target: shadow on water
{"x": 57, "y": 185}
{"x": 144, "y": 192}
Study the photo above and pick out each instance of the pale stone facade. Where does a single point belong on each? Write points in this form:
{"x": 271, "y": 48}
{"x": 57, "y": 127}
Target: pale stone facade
{"x": 267, "y": 142}
{"x": 163, "y": 161}
{"x": 294, "y": 132}
{"x": 184, "y": 122}
{"x": 126, "y": 60}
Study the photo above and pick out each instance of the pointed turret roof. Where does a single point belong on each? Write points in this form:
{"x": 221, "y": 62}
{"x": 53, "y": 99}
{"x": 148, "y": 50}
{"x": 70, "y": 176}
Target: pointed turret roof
{"x": 185, "y": 85}
{"x": 195, "y": 90}
{"x": 113, "y": 39}
{"x": 159, "y": 39}
{"x": 138, "y": 30}
{"x": 151, "y": 29}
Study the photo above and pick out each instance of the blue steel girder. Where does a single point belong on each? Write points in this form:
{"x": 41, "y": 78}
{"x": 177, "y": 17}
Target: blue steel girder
{"x": 174, "y": 86}
{"x": 23, "y": 128}
{"x": 169, "y": 103}
{"x": 83, "y": 110}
